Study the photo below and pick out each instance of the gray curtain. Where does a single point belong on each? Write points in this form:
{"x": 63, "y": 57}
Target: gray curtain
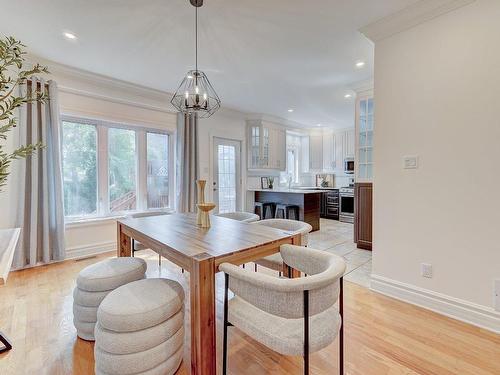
{"x": 187, "y": 162}
{"x": 41, "y": 214}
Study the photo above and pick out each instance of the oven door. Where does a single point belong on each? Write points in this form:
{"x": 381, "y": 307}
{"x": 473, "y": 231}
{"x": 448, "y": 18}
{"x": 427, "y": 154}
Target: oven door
{"x": 347, "y": 208}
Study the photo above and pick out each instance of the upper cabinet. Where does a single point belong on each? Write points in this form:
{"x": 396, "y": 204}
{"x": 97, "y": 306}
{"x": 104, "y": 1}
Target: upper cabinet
{"x": 328, "y": 149}
{"x": 364, "y": 138}
{"x": 316, "y": 152}
{"x": 266, "y": 146}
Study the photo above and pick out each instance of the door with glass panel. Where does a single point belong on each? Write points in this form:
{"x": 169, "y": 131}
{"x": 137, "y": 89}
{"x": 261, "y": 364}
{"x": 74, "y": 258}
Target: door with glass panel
{"x": 227, "y": 175}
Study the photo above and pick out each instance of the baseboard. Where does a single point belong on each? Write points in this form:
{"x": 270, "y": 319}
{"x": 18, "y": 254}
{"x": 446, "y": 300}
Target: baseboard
{"x": 455, "y": 308}
{"x": 85, "y": 251}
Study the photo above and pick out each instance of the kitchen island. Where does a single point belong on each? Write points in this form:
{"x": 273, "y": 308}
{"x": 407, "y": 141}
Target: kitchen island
{"x": 308, "y": 200}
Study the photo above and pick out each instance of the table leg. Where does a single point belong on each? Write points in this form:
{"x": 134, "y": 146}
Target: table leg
{"x": 203, "y": 350}
{"x": 296, "y": 240}
{"x": 124, "y": 243}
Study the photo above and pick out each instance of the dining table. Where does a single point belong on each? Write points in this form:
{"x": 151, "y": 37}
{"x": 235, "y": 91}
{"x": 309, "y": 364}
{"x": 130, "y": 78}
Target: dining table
{"x": 200, "y": 251}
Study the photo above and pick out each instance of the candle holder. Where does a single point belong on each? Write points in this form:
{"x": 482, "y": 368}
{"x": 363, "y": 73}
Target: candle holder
{"x": 201, "y": 198}
{"x": 204, "y": 209}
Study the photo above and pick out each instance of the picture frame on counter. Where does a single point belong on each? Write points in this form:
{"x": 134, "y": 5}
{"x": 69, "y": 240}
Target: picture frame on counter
{"x": 264, "y": 182}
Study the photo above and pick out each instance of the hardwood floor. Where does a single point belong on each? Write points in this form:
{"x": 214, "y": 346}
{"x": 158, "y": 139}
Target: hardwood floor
{"x": 383, "y": 335}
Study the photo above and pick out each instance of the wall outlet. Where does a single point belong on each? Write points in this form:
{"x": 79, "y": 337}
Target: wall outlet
{"x": 496, "y": 295}
{"x": 427, "y": 270}
{"x": 410, "y": 162}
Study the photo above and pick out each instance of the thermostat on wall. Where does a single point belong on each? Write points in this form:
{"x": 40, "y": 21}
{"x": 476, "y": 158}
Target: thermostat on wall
{"x": 410, "y": 162}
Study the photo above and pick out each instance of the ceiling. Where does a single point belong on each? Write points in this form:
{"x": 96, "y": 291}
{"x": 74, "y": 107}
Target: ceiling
{"x": 262, "y": 56}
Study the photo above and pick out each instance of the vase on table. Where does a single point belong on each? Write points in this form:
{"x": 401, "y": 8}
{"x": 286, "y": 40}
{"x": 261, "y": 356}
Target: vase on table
{"x": 200, "y": 185}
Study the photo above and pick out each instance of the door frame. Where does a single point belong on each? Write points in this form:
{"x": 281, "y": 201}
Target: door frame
{"x": 216, "y": 140}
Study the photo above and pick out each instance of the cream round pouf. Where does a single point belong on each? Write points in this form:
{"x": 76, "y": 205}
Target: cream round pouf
{"x": 94, "y": 283}
{"x": 140, "y": 329}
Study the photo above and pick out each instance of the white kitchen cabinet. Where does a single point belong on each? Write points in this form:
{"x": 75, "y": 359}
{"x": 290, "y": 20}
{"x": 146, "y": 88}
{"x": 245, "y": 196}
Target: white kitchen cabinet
{"x": 316, "y": 152}
{"x": 364, "y": 138}
{"x": 266, "y": 146}
{"x": 329, "y": 151}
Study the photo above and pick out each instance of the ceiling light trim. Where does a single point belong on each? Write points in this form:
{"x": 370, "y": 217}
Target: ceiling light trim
{"x": 416, "y": 14}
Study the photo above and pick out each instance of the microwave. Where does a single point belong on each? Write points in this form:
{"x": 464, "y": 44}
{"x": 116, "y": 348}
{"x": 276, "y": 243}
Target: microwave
{"x": 349, "y": 165}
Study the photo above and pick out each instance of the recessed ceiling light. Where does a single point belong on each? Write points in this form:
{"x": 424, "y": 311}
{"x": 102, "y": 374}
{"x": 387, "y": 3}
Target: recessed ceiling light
{"x": 318, "y": 125}
{"x": 347, "y": 96}
{"x": 290, "y": 110}
{"x": 360, "y": 64}
{"x": 69, "y": 36}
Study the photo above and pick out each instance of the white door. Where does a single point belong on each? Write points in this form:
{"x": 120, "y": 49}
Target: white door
{"x": 227, "y": 175}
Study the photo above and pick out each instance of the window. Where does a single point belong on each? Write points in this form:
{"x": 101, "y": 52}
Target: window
{"x": 157, "y": 159}
{"x": 121, "y": 170}
{"x": 112, "y": 168}
{"x": 79, "y": 152}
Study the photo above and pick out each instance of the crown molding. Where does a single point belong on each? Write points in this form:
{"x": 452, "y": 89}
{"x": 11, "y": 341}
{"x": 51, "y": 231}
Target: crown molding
{"x": 409, "y": 17}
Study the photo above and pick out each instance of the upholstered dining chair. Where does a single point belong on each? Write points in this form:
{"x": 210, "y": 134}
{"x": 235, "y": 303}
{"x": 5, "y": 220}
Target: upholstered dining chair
{"x": 275, "y": 262}
{"x": 246, "y": 217}
{"x": 290, "y": 316}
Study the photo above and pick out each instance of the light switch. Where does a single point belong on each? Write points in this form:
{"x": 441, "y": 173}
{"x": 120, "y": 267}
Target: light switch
{"x": 410, "y": 162}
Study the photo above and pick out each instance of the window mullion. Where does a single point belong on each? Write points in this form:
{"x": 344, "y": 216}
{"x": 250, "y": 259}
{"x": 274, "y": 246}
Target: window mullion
{"x": 103, "y": 170}
{"x": 142, "y": 193}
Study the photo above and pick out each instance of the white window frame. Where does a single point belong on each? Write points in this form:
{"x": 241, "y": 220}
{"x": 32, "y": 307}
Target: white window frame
{"x": 102, "y": 128}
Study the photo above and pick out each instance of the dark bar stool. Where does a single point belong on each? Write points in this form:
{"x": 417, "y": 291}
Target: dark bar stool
{"x": 264, "y": 208}
{"x": 283, "y": 211}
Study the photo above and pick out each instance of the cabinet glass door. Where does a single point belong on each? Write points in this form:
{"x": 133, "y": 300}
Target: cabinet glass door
{"x": 255, "y": 150}
{"x": 365, "y": 140}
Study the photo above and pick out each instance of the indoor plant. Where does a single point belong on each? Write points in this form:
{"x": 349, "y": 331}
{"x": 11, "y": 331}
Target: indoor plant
{"x": 12, "y": 59}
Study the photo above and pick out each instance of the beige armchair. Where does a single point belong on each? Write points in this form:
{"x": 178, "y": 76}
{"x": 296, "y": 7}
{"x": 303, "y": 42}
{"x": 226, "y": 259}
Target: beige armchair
{"x": 290, "y": 316}
{"x": 246, "y": 217}
{"x": 275, "y": 261}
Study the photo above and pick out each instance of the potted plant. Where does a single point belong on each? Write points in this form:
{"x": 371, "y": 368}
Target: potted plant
{"x": 12, "y": 59}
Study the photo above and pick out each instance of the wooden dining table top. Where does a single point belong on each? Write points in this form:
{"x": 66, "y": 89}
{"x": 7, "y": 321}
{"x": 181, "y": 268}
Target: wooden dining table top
{"x": 180, "y": 233}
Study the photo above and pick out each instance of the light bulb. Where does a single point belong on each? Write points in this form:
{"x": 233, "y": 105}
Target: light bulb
{"x": 205, "y": 96}
{"x": 187, "y": 95}
{"x": 197, "y": 90}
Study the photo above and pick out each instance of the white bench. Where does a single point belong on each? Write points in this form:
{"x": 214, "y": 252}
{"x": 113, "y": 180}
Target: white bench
{"x": 8, "y": 243}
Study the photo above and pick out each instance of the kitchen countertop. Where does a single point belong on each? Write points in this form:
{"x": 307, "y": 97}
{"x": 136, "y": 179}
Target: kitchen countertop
{"x": 284, "y": 190}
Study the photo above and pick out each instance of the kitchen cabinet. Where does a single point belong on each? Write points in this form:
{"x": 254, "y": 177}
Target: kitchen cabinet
{"x": 266, "y": 146}
{"x": 364, "y": 138}
{"x": 363, "y": 213}
{"x": 329, "y": 151}
{"x": 316, "y": 152}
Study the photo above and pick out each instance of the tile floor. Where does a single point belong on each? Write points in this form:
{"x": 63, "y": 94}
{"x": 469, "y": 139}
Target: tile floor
{"x": 337, "y": 238}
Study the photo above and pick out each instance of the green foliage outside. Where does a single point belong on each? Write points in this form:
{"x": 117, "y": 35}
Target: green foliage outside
{"x": 79, "y": 155}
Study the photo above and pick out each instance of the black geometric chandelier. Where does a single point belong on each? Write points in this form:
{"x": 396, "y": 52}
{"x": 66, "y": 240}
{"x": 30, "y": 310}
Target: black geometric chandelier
{"x": 195, "y": 93}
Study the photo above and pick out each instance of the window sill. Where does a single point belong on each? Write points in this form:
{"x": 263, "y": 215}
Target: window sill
{"x": 96, "y": 221}
{"x": 78, "y": 223}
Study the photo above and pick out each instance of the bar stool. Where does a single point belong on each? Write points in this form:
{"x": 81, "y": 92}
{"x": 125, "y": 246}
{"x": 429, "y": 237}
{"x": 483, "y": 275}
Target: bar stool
{"x": 263, "y": 208}
{"x": 285, "y": 210}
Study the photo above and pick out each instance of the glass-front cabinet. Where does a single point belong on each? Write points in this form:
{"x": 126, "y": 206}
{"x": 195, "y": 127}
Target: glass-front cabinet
{"x": 364, "y": 138}
{"x": 266, "y": 148}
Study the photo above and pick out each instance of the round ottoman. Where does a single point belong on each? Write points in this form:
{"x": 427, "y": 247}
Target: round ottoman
{"x": 94, "y": 283}
{"x": 140, "y": 329}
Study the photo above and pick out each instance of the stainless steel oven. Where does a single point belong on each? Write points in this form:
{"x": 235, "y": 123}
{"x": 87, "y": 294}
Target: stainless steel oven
{"x": 346, "y": 204}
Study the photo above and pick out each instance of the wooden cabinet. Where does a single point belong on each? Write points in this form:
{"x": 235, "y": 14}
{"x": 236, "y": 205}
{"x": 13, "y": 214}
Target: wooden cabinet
{"x": 266, "y": 146}
{"x": 363, "y": 215}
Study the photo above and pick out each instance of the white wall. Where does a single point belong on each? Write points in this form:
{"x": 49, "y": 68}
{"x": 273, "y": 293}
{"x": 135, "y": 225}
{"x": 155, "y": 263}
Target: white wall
{"x": 437, "y": 90}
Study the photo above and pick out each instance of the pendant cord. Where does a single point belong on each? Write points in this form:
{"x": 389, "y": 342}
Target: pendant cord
{"x": 196, "y": 36}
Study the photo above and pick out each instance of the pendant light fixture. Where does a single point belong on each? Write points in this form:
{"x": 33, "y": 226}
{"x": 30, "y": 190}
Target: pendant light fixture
{"x": 195, "y": 93}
